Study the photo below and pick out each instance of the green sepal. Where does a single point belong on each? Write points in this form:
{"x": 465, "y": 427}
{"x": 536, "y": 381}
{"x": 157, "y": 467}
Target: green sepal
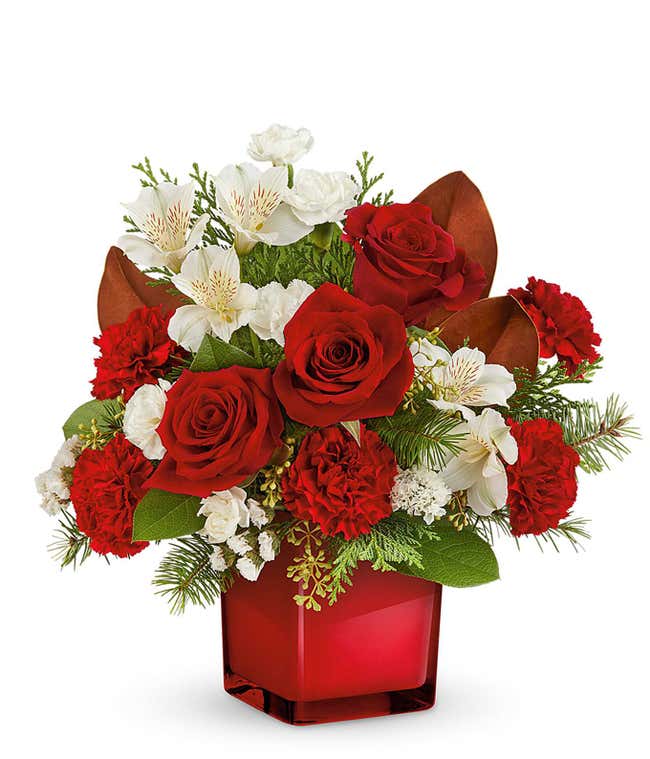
{"x": 459, "y": 559}
{"x": 214, "y": 354}
{"x": 161, "y": 515}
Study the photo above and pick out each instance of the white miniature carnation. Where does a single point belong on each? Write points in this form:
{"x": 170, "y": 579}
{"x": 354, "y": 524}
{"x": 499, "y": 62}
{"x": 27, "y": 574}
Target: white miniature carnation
{"x": 317, "y": 198}
{"x": 276, "y": 306}
{"x": 280, "y": 144}
{"x": 142, "y": 415}
{"x": 224, "y": 511}
{"x": 265, "y": 542}
{"x": 239, "y": 544}
{"x": 218, "y": 560}
{"x": 420, "y": 492}
{"x": 258, "y": 514}
{"x": 248, "y": 569}
{"x": 53, "y": 485}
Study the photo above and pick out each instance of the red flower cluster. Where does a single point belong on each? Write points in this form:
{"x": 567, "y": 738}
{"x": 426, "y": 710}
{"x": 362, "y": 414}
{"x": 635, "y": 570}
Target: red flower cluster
{"x": 563, "y": 323}
{"x": 408, "y": 262}
{"x": 218, "y": 428}
{"x": 137, "y": 352}
{"x": 342, "y": 486}
{"x": 345, "y": 360}
{"x": 542, "y": 484}
{"x": 107, "y": 486}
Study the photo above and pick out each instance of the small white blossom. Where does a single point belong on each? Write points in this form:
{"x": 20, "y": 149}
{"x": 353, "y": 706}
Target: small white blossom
{"x": 265, "y": 542}
{"x": 239, "y": 544}
{"x": 280, "y": 144}
{"x": 430, "y": 358}
{"x": 224, "y": 511}
{"x": 53, "y": 485}
{"x": 276, "y": 306}
{"x": 142, "y": 415}
{"x": 248, "y": 569}
{"x": 420, "y": 492}
{"x": 317, "y": 198}
{"x": 218, "y": 560}
{"x": 258, "y": 514}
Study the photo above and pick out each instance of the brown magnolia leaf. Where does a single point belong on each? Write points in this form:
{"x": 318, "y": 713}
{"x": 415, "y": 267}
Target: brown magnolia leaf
{"x": 124, "y": 288}
{"x": 499, "y": 327}
{"x": 458, "y": 207}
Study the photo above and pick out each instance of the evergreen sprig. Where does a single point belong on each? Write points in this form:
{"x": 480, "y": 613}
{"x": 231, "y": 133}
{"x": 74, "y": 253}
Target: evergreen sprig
{"x": 70, "y": 546}
{"x": 596, "y": 434}
{"x": 217, "y": 231}
{"x": 366, "y": 181}
{"x": 185, "y": 575}
{"x": 497, "y": 524}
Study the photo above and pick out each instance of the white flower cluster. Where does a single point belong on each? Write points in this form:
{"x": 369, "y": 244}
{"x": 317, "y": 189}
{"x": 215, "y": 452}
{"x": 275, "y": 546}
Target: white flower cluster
{"x": 420, "y": 492}
{"x": 53, "y": 485}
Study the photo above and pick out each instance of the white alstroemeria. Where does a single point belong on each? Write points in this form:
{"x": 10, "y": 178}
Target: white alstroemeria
{"x": 478, "y": 468}
{"x": 53, "y": 485}
{"x": 163, "y": 214}
{"x": 420, "y": 491}
{"x": 142, "y": 415}
{"x": 248, "y": 569}
{"x": 317, "y": 198}
{"x": 251, "y": 203}
{"x": 466, "y": 380}
{"x": 275, "y": 307}
{"x": 280, "y": 144}
{"x": 266, "y": 543}
{"x": 224, "y": 511}
{"x": 210, "y": 277}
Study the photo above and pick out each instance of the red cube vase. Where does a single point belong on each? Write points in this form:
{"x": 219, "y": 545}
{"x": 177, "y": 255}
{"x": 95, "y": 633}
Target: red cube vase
{"x": 372, "y": 653}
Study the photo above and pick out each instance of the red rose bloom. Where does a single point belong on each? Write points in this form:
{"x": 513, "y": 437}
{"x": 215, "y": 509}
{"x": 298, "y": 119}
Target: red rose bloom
{"x": 341, "y": 486}
{"x": 137, "y": 352}
{"x": 345, "y": 360}
{"x": 542, "y": 484}
{"x": 218, "y": 428}
{"x": 406, "y": 261}
{"x": 563, "y": 323}
{"x": 107, "y": 485}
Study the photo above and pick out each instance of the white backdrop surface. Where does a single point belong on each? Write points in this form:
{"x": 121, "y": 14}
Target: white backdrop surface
{"x": 546, "y": 110}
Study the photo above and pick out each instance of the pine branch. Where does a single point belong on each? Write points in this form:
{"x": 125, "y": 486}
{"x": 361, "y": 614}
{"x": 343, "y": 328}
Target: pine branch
{"x": 497, "y": 525}
{"x": 426, "y": 437}
{"x": 185, "y": 575}
{"x": 70, "y": 546}
{"x": 367, "y": 182}
{"x": 597, "y": 434}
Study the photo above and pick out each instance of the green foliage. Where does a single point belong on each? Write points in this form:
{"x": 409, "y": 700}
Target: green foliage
{"x": 185, "y": 575}
{"x": 496, "y": 524}
{"x": 70, "y": 546}
{"x": 597, "y": 434}
{"x": 460, "y": 559}
{"x": 425, "y": 437}
{"x": 366, "y": 181}
{"x": 161, "y": 515}
{"x": 397, "y": 541}
{"x": 95, "y": 421}
{"x": 266, "y": 352}
{"x": 217, "y": 232}
{"x": 216, "y": 354}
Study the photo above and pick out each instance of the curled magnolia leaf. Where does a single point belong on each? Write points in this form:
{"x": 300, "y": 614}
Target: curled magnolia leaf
{"x": 499, "y": 327}
{"x": 354, "y": 428}
{"x": 458, "y": 207}
{"x": 123, "y": 288}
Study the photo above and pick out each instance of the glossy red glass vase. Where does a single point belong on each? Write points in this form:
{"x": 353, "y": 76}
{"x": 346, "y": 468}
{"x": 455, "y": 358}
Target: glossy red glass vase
{"x": 373, "y": 653}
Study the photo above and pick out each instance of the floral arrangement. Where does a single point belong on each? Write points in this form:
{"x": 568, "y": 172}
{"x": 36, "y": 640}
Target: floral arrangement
{"x": 290, "y": 365}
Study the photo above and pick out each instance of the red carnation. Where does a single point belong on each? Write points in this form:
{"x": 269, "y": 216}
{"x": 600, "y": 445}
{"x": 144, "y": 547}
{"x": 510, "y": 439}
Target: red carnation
{"x": 542, "y": 484}
{"x": 137, "y": 352}
{"x": 408, "y": 262}
{"x": 563, "y": 323}
{"x": 107, "y": 486}
{"x": 340, "y": 485}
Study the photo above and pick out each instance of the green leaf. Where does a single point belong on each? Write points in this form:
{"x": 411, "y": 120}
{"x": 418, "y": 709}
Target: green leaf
{"x": 161, "y": 515}
{"x": 460, "y": 559}
{"x": 84, "y": 415}
{"x": 216, "y": 354}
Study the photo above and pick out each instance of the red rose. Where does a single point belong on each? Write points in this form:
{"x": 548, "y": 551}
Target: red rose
{"x": 542, "y": 484}
{"x": 218, "y": 428}
{"x": 137, "y": 352}
{"x": 406, "y": 261}
{"x": 107, "y": 485}
{"x": 563, "y": 323}
{"x": 338, "y": 484}
{"x": 345, "y": 360}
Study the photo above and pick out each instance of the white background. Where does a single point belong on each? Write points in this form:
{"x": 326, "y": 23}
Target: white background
{"x": 546, "y": 111}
